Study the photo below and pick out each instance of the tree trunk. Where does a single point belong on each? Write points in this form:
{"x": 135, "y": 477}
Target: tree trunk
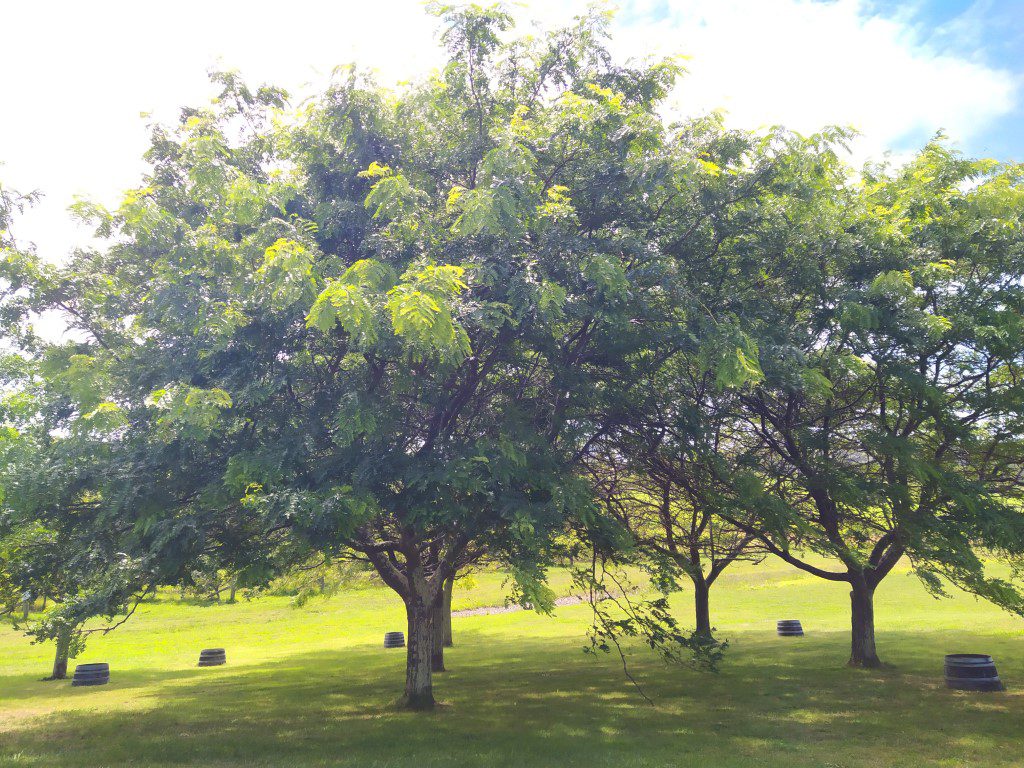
{"x": 702, "y": 607}
{"x": 437, "y": 627}
{"x": 26, "y": 606}
{"x": 862, "y": 603}
{"x": 446, "y": 613}
{"x": 234, "y": 588}
{"x": 44, "y": 603}
{"x": 421, "y": 595}
{"x": 419, "y": 686}
{"x": 60, "y": 660}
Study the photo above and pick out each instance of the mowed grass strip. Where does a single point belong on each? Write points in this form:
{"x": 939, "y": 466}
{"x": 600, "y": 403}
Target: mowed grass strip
{"x": 314, "y": 687}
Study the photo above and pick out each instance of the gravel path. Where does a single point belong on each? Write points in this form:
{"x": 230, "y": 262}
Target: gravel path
{"x": 489, "y": 609}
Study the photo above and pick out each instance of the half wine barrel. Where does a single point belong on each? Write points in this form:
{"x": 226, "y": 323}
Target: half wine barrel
{"x": 972, "y": 672}
{"x": 789, "y": 628}
{"x": 91, "y": 674}
{"x": 212, "y": 657}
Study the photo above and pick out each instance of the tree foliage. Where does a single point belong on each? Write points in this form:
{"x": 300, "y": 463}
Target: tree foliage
{"x": 511, "y": 311}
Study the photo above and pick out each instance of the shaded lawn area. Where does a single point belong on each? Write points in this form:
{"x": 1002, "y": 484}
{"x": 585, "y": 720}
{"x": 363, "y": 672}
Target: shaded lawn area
{"x": 313, "y": 687}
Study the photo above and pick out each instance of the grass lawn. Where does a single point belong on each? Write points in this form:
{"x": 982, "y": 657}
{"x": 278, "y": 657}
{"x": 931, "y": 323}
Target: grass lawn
{"x": 313, "y": 687}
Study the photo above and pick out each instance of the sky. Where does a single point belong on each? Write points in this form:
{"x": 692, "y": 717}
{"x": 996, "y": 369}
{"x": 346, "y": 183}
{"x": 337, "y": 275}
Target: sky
{"x": 81, "y": 81}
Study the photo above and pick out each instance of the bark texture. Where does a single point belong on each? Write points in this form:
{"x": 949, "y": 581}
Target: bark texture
{"x": 437, "y": 643}
{"x": 862, "y": 615}
{"x": 446, "y": 613}
{"x": 60, "y": 660}
{"x": 702, "y": 606}
{"x": 419, "y": 686}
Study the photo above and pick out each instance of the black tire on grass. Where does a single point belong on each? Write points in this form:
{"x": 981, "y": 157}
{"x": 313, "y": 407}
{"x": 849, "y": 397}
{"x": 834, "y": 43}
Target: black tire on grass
{"x": 789, "y": 628}
{"x": 972, "y": 672}
{"x": 91, "y": 674}
{"x": 212, "y": 657}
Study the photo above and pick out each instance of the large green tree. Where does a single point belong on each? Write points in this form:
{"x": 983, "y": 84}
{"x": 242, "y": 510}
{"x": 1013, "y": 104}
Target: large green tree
{"x": 372, "y": 329}
{"x": 887, "y": 423}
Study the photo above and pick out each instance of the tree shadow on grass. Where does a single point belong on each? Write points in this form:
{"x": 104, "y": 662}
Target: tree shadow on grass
{"x": 526, "y": 701}
{"x": 34, "y": 686}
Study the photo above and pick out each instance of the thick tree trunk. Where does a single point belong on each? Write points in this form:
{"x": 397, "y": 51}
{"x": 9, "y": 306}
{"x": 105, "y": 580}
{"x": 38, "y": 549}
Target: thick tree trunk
{"x": 26, "y": 606}
{"x": 234, "y": 588}
{"x": 60, "y": 660}
{"x": 437, "y": 627}
{"x": 419, "y": 686}
{"x": 862, "y": 604}
{"x": 421, "y": 595}
{"x": 702, "y": 606}
{"x": 446, "y": 613}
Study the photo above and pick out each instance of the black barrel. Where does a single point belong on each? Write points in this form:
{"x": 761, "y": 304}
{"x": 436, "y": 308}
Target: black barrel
{"x": 972, "y": 672}
{"x": 394, "y": 640}
{"x": 91, "y": 674}
{"x": 212, "y": 657}
{"x": 789, "y": 628}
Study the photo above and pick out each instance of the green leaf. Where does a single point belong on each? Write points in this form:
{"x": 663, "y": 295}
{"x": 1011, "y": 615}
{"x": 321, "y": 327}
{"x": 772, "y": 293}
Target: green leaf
{"x": 816, "y": 383}
{"x": 188, "y": 412}
{"x": 287, "y": 271}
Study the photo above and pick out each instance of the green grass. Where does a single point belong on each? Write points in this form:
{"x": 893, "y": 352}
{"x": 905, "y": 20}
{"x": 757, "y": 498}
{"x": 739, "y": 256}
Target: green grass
{"x": 313, "y": 687}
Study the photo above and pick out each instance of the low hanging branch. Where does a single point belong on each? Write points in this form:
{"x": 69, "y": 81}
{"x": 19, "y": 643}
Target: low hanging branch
{"x": 618, "y": 618}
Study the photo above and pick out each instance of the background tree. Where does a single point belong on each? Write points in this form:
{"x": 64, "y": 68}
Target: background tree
{"x": 659, "y": 479}
{"x": 55, "y": 541}
{"x": 888, "y": 420}
{"x": 666, "y": 430}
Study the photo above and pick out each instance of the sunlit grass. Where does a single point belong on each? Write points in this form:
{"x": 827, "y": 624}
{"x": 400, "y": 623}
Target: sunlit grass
{"x": 314, "y": 687}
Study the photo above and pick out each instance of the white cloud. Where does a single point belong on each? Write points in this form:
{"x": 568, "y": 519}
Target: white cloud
{"x": 77, "y": 75}
{"x": 807, "y": 64}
